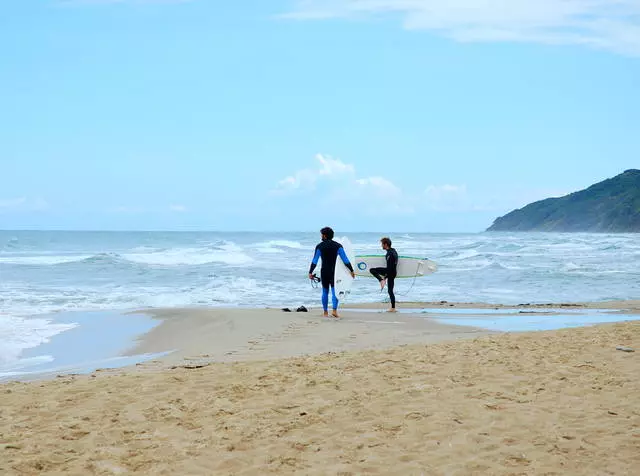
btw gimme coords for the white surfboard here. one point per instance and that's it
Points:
(408, 266)
(343, 279)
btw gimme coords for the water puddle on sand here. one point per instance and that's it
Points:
(99, 340)
(515, 320)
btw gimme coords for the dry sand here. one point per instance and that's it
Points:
(556, 402)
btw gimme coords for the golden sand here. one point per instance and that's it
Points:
(559, 402)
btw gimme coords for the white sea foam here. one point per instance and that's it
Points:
(227, 290)
(44, 260)
(231, 255)
(277, 245)
(21, 366)
(269, 250)
(463, 255)
(20, 333)
(286, 244)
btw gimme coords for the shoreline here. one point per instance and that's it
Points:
(201, 335)
(253, 328)
(235, 334)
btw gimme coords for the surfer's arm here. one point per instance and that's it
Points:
(392, 263)
(345, 260)
(314, 261)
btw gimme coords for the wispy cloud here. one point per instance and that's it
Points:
(11, 203)
(329, 170)
(447, 198)
(612, 25)
(336, 185)
(23, 204)
(338, 182)
(177, 208)
(380, 187)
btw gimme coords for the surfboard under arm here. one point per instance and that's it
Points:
(408, 266)
(343, 277)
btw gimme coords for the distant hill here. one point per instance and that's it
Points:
(612, 205)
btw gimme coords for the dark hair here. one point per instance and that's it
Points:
(328, 232)
(386, 241)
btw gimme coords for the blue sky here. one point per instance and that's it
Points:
(364, 115)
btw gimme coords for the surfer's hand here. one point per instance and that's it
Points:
(353, 274)
(310, 276)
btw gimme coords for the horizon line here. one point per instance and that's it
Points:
(96, 230)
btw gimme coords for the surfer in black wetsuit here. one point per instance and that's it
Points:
(329, 251)
(387, 275)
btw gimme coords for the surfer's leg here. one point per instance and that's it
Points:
(325, 299)
(378, 274)
(334, 298)
(390, 285)
(327, 280)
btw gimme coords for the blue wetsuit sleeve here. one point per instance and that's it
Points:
(345, 260)
(314, 261)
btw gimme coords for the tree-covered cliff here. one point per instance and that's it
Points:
(612, 205)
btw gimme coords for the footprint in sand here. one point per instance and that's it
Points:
(291, 330)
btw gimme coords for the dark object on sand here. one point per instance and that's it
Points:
(300, 309)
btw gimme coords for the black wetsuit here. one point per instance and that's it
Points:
(390, 272)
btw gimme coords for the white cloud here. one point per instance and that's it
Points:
(439, 191)
(447, 198)
(12, 203)
(380, 187)
(305, 180)
(337, 182)
(612, 25)
(334, 186)
(178, 208)
(23, 204)
(334, 166)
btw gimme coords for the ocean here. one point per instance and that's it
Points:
(46, 272)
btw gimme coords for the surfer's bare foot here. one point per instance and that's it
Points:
(393, 309)
(325, 314)
(382, 283)
(335, 314)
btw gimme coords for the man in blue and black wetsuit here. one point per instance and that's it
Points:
(387, 275)
(329, 251)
